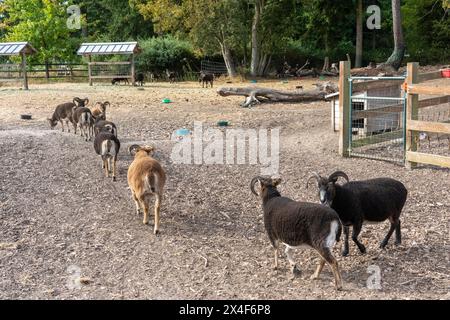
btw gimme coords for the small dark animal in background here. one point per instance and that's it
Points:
(140, 79)
(171, 76)
(357, 202)
(206, 78)
(119, 80)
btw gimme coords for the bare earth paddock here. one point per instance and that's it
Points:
(58, 214)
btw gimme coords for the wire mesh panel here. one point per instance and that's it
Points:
(217, 68)
(378, 124)
(10, 72)
(434, 143)
(110, 70)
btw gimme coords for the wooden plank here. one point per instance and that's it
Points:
(430, 76)
(344, 108)
(110, 63)
(111, 77)
(435, 160)
(375, 84)
(426, 126)
(430, 90)
(412, 111)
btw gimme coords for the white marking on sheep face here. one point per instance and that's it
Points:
(323, 196)
(331, 239)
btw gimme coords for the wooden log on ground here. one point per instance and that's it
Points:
(259, 95)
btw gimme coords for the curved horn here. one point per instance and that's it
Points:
(86, 101)
(314, 176)
(338, 174)
(76, 100)
(252, 185)
(132, 148)
(106, 103)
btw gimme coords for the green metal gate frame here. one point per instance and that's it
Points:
(401, 100)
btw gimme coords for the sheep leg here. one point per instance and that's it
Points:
(68, 126)
(275, 250)
(319, 269)
(136, 201)
(398, 234)
(346, 234)
(62, 125)
(157, 213)
(326, 254)
(295, 271)
(356, 231)
(106, 168)
(145, 205)
(114, 169)
(390, 232)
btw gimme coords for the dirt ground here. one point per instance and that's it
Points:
(62, 222)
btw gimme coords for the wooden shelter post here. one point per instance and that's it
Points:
(133, 70)
(90, 70)
(24, 71)
(412, 111)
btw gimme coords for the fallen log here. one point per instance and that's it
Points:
(259, 95)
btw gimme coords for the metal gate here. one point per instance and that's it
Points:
(378, 122)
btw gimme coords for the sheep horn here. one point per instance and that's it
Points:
(76, 100)
(338, 174)
(132, 148)
(107, 103)
(314, 176)
(86, 101)
(252, 185)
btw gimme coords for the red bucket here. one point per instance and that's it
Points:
(446, 73)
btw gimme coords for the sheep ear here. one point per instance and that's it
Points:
(276, 182)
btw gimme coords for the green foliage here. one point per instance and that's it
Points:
(164, 53)
(43, 24)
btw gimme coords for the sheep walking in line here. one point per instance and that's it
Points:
(297, 224)
(107, 146)
(146, 178)
(357, 202)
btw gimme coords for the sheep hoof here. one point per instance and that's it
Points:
(295, 271)
(345, 253)
(314, 277)
(339, 288)
(156, 232)
(145, 222)
(114, 179)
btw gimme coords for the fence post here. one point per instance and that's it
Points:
(133, 71)
(412, 111)
(344, 108)
(24, 71)
(90, 70)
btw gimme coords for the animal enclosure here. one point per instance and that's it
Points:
(12, 72)
(376, 126)
(212, 243)
(111, 70)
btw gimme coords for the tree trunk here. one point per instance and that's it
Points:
(395, 60)
(359, 34)
(254, 95)
(254, 66)
(228, 58)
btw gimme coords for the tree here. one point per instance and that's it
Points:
(359, 33)
(395, 60)
(212, 26)
(271, 29)
(42, 23)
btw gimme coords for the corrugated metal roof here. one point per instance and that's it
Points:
(109, 48)
(15, 48)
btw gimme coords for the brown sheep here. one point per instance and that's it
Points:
(146, 178)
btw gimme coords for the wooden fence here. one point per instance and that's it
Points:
(416, 86)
